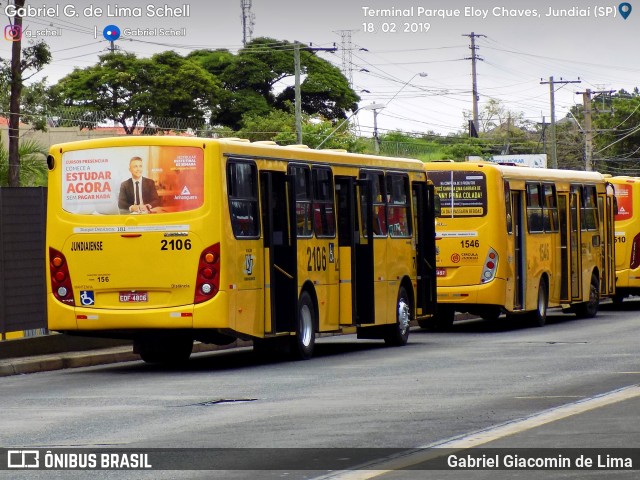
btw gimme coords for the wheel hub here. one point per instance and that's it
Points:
(404, 315)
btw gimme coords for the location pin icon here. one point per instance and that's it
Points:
(624, 9)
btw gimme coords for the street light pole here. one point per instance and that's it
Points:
(375, 107)
(421, 74)
(372, 106)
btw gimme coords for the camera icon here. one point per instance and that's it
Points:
(13, 33)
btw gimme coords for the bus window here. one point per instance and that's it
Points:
(324, 220)
(242, 185)
(398, 205)
(379, 203)
(534, 208)
(550, 207)
(303, 199)
(507, 205)
(589, 208)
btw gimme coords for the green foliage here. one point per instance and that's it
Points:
(276, 124)
(280, 127)
(34, 98)
(616, 144)
(124, 89)
(212, 86)
(252, 82)
(33, 164)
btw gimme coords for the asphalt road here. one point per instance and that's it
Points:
(352, 396)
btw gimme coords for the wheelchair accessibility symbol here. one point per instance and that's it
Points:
(86, 297)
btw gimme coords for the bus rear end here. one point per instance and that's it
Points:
(627, 236)
(471, 240)
(127, 254)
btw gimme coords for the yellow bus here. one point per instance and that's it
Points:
(517, 240)
(167, 240)
(627, 236)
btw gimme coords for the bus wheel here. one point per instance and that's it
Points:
(539, 316)
(398, 334)
(163, 349)
(303, 341)
(590, 309)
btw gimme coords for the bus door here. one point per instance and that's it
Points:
(280, 251)
(607, 228)
(355, 240)
(575, 244)
(519, 249)
(609, 217)
(425, 232)
(565, 266)
(347, 232)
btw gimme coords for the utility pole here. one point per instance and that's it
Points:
(588, 131)
(298, 94)
(474, 91)
(554, 143)
(588, 128)
(14, 101)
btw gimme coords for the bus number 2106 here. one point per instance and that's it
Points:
(316, 259)
(176, 244)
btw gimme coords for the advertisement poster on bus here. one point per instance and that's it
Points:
(625, 202)
(132, 180)
(462, 194)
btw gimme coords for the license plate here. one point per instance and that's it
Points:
(441, 272)
(133, 297)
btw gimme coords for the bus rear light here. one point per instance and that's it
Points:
(208, 279)
(490, 266)
(60, 279)
(635, 253)
(207, 273)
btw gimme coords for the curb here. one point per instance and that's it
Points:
(44, 363)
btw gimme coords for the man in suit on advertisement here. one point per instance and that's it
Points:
(138, 194)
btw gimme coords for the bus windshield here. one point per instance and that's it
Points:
(132, 180)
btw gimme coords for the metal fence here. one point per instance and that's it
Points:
(22, 259)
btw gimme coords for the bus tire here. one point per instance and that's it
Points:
(164, 350)
(590, 309)
(397, 335)
(538, 317)
(303, 342)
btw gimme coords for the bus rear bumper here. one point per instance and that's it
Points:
(492, 293)
(211, 314)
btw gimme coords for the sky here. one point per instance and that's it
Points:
(384, 46)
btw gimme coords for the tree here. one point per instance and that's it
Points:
(253, 82)
(32, 58)
(125, 89)
(116, 88)
(616, 143)
(33, 162)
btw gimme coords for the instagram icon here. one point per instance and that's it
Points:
(13, 33)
